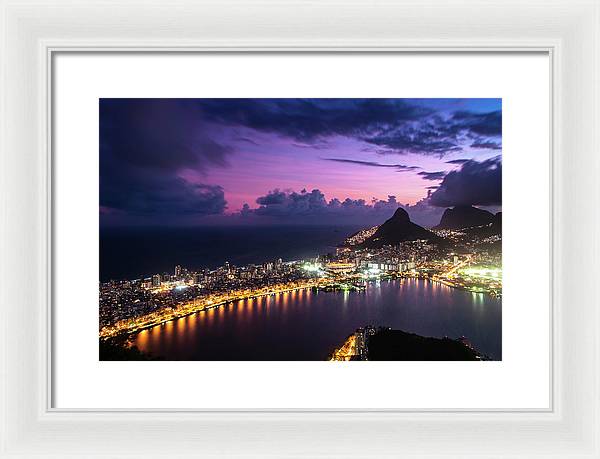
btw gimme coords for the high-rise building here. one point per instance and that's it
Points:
(156, 280)
(177, 271)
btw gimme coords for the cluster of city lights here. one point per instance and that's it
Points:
(483, 272)
(313, 268)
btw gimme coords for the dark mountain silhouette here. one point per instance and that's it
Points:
(398, 229)
(464, 217)
(497, 223)
(491, 229)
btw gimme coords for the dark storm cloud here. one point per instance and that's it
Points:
(400, 167)
(311, 207)
(458, 161)
(144, 144)
(439, 135)
(379, 151)
(392, 125)
(308, 119)
(486, 145)
(479, 123)
(418, 138)
(432, 175)
(475, 183)
(158, 195)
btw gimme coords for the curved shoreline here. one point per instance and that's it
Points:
(206, 307)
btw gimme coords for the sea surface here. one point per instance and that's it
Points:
(132, 253)
(307, 325)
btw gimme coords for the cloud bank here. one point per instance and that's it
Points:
(311, 207)
(475, 183)
(145, 144)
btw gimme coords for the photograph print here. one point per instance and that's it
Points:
(300, 229)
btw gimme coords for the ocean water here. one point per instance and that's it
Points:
(131, 253)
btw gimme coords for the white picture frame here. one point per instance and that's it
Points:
(33, 31)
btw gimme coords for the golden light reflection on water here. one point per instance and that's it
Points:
(189, 332)
(285, 300)
(142, 339)
(210, 317)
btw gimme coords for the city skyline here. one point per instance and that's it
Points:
(203, 162)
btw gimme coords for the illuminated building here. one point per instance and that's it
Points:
(340, 267)
(147, 283)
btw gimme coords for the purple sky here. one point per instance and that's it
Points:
(244, 161)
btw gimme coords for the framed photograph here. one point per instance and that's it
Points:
(298, 229)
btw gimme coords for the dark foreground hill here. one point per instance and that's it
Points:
(398, 229)
(398, 345)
